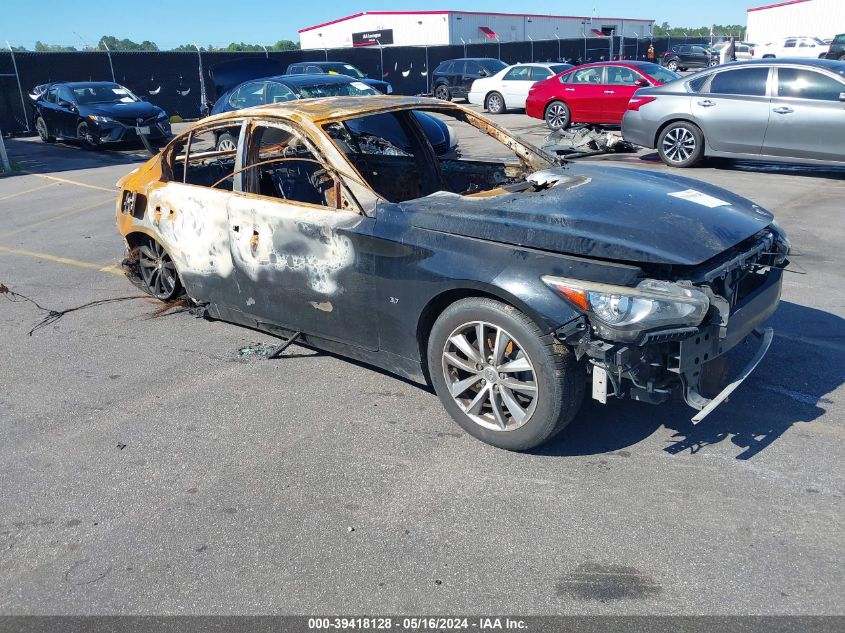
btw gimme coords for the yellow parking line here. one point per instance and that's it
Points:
(63, 260)
(67, 181)
(61, 216)
(23, 193)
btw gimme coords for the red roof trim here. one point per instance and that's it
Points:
(778, 4)
(510, 15)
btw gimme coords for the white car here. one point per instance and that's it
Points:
(509, 87)
(744, 50)
(808, 47)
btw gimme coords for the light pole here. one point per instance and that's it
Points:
(637, 37)
(266, 54)
(108, 52)
(558, 45)
(465, 46)
(499, 47)
(381, 59)
(20, 90)
(202, 80)
(531, 39)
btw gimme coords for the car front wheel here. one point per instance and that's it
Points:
(227, 143)
(86, 136)
(158, 272)
(672, 65)
(499, 377)
(558, 115)
(680, 144)
(442, 92)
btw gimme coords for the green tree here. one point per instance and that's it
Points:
(41, 47)
(115, 44)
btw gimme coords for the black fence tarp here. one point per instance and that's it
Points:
(171, 80)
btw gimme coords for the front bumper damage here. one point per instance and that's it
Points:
(117, 131)
(682, 362)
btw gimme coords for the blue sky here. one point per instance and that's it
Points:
(219, 22)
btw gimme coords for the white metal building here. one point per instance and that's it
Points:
(433, 28)
(813, 18)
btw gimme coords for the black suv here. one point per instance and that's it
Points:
(683, 56)
(837, 48)
(454, 77)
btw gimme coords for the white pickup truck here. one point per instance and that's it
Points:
(809, 47)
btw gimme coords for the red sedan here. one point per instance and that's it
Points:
(592, 93)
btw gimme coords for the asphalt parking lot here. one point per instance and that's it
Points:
(153, 463)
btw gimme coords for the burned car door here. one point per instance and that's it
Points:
(188, 213)
(298, 243)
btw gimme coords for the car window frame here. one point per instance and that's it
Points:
(767, 93)
(637, 75)
(244, 147)
(540, 69)
(55, 91)
(602, 79)
(168, 155)
(515, 68)
(243, 87)
(776, 84)
(296, 69)
(474, 65)
(61, 101)
(267, 86)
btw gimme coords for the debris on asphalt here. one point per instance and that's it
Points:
(256, 350)
(350, 529)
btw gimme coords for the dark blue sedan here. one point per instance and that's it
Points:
(281, 88)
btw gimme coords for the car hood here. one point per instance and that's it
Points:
(138, 109)
(611, 213)
(378, 84)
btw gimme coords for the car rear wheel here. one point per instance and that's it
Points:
(442, 92)
(158, 272)
(495, 103)
(499, 377)
(558, 115)
(43, 132)
(680, 144)
(714, 62)
(227, 143)
(86, 136)
(672, 65)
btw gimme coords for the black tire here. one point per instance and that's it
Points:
(441, 91)
(558, 116)
(43, 130)
(158, 272)
(842, 58)
(558, 379)
(226, 142)
(680, 144)
(85, 137)
(672, 65)
(495, 103)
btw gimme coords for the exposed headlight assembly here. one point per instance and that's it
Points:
(622, 313)
(100, 119)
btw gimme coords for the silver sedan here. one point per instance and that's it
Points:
(782, 110)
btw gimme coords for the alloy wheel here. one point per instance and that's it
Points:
(678, 144)
(673, 66)
(158, 270)
(41, 127)
(441, 92)
(226, 145)
(489, 376)
(494, 103)
(557, 116)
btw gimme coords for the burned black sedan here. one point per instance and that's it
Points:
(506, 279)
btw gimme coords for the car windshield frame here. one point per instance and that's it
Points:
(342, 68)
(124, 93)
(320, 89)
(652, 70)
(490, 65)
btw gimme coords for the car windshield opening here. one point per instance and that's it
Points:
(332, 89)
(658, 73)
(107, 93)
(409, 154)
(344, 69)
